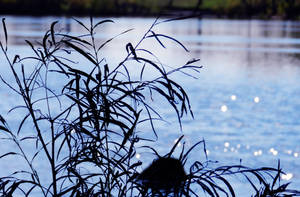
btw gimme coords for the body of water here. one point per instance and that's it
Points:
(246, 102)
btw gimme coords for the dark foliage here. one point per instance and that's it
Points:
(87, 128)
(165, 174)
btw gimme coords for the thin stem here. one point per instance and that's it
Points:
(26, 97)
(53, 159)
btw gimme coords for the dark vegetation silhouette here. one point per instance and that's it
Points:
(163, 175)
(86, 126)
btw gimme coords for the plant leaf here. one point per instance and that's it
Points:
(82, 52)
(4, 128)
(9, 153)
(103, 21)
(5, 32)
(52, 31)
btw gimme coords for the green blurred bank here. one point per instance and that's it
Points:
(286, 9)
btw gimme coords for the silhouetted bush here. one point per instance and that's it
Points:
(87, 116)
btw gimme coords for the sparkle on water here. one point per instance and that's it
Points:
(138, 156)
(179, 143)
(257, 153)
(226, 144)
(287, 176)
(233, 97)
(224, 108)
(273, 151)
(256, 99)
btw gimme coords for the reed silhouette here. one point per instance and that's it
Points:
(163, 176)
(90, 140)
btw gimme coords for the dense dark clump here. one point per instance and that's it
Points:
(163, 174)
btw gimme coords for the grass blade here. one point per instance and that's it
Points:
(104, 21)
(82, 52)
(52, 31)
(170, 38)
(5, 33)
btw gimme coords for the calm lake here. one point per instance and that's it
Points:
(246, 100)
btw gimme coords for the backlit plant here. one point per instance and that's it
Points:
(87, 115)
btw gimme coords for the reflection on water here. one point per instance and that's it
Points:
(246, 102)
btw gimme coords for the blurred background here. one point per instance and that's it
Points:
(287, 9)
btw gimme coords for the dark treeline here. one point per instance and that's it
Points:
(286, 9)
(95, 7)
